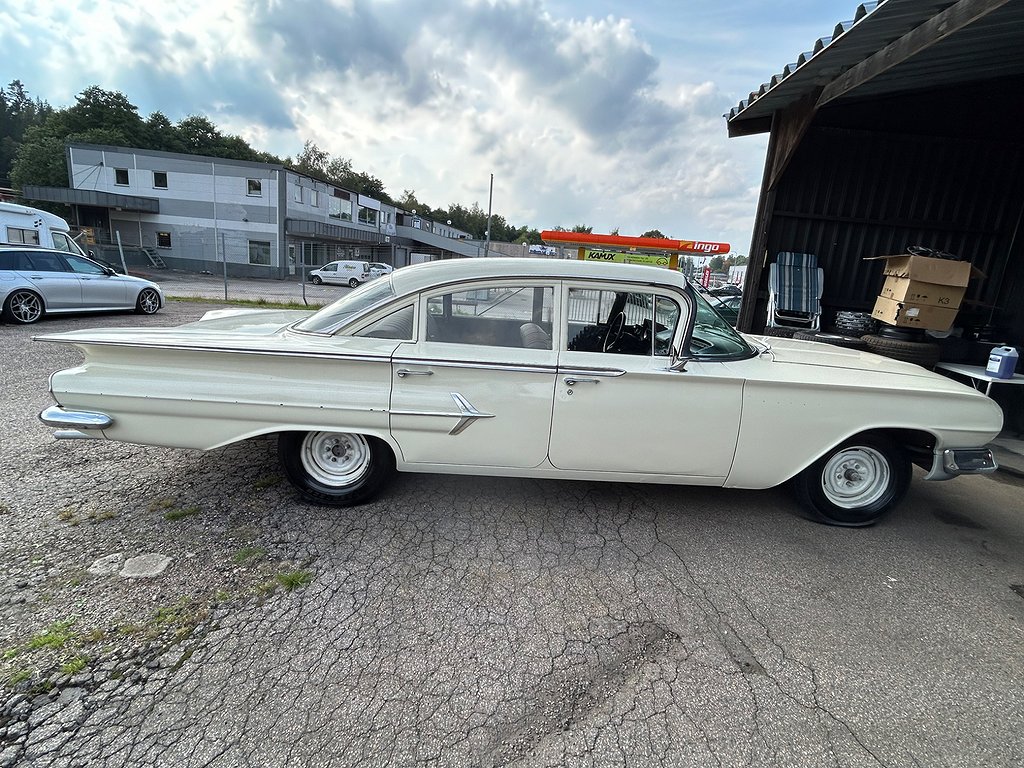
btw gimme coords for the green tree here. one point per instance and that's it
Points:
(655, 233)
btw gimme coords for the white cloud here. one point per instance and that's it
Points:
(569, 114)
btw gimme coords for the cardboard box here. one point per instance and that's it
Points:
(925, 269)
(907, 315)
(908, 291)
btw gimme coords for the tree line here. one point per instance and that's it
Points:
(33, 136)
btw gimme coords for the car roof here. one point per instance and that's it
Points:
(422, 276)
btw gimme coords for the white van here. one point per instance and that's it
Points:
(350, 273)
(21, 225)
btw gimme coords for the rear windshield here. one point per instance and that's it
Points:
(366, 296)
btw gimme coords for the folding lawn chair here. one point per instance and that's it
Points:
(795, 282)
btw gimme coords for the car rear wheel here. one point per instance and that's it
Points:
(23, 306)
(148, 302)
(855, 484)
(339, 469)
(317, 280)
(353, 283)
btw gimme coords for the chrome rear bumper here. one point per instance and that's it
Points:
(948, 463)
(70, 423)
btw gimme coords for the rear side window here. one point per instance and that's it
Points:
(47, 262)
(14, 260)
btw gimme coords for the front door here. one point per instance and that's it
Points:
(99, 289)
(476, 387)
(618, 407)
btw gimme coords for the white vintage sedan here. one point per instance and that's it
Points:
(530, 368)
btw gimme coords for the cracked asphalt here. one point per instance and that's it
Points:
(463, 621)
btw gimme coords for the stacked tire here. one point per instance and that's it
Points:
(836, 339)
(855, 323)
(924, 353)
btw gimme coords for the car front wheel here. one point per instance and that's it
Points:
(339, 469)
(855, 484)
(317, 280)
(148, 302)
(23, 306)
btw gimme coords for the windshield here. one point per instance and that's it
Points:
(713, 336)
(362, 298)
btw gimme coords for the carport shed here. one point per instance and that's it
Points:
(901, 128)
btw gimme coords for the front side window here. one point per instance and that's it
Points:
(62, 243)
(259, 253)
(620, 322)
(254, 187)
(160, 179)
(121, 176)
(499, 316)
(713, 337)
(84, 266)
(22, 236)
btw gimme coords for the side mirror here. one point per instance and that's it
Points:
(109, 271)
(678, 362)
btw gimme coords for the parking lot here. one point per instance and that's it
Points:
(474, 621)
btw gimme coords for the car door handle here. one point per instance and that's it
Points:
(572, 381)
(403, 372)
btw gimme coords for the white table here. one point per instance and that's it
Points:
(978, 374)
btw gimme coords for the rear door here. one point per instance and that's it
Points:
(56, 282)
(475, 387)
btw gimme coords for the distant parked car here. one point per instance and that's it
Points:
(39, 281)
(350, 273)
(377, 269)
(543, 368)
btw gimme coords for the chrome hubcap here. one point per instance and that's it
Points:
(856, 477)
(336, 459)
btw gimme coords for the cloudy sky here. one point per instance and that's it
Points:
(602, 113)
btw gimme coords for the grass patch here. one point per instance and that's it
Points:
(19, 677)
(254, 303)
(292, 580)
(180, 514)
(57, 635)
(74, 666)
(248, 554)
(161, 504)
(4, 509)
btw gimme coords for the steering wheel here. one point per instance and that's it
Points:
(614, 332)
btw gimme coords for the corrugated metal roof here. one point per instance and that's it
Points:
(990, 47)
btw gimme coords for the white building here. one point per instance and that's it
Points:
(202, 213)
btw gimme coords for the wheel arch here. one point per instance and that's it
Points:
(917, 443)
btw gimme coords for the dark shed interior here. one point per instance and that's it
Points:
(902, 128)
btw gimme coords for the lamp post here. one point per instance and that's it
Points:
(490, 198)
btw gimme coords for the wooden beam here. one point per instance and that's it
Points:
(937, 28)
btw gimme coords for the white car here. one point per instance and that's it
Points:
(379, 270)
(530, 368)
(350, 273)
(41, 281)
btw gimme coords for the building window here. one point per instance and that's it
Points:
(259, 252)
(254, 187)
(297, 193)
(159, 179)
(121, 176)
(163, 239)
(368, 216)
(314, 198)
(22, 236)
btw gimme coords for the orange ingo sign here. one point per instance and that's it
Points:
(650, 244)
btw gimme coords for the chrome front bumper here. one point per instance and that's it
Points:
(69, 424)
(948, 463)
